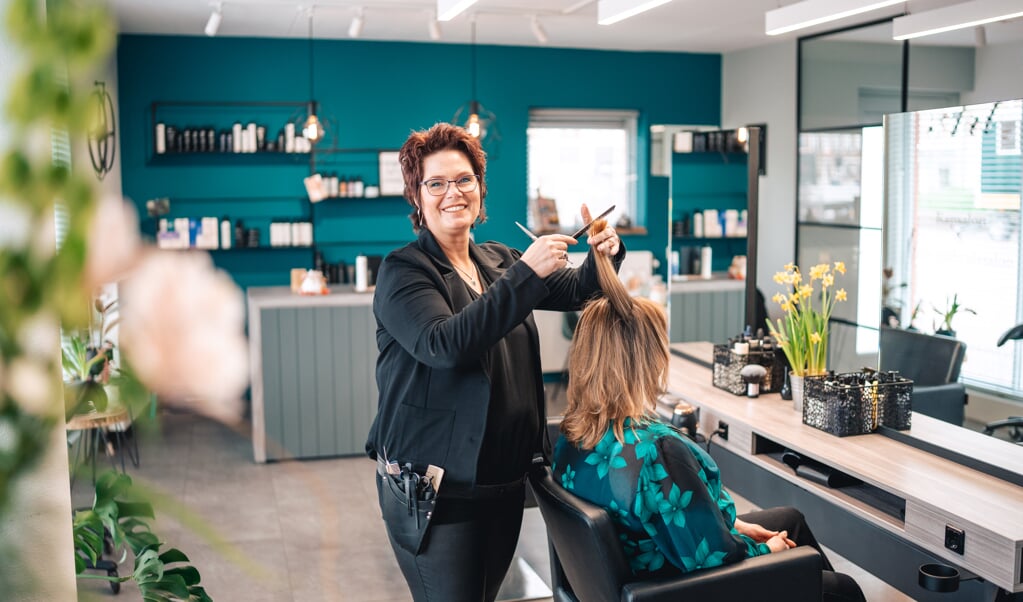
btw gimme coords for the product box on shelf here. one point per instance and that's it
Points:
(730, 359)
(856, 403)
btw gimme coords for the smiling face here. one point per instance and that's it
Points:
(454, 212)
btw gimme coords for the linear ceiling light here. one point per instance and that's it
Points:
(814, 12)
(957, 16)
(613, 11)
(538, 30)
(449, 9)
(214, 22)
(356, 27)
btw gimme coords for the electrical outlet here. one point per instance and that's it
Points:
(723, 428)
(955, 539)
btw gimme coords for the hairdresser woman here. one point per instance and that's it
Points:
(459, 365)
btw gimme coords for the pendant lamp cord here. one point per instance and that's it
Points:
(473, 56)
(310, 53)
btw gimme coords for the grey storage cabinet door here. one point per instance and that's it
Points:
(712, 316)
(319, 386)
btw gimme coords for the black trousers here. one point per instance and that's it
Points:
(467, 549)
(837, 587)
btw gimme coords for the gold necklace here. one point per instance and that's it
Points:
(472, 281)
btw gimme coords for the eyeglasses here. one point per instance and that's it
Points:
(439, 186)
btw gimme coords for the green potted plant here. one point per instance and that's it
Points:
(948, 313)
(88, 358)
(119, 519)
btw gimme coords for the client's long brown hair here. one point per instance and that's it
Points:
(618, 362)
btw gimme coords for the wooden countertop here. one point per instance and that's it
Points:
(937, 491)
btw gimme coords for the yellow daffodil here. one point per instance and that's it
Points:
(803, 332)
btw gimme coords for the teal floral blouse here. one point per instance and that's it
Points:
(664, 494)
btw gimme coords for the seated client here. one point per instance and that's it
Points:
(662, 490)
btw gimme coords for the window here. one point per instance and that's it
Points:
(580, 156)
(953, 230)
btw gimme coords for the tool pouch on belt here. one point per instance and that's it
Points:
(406, 500)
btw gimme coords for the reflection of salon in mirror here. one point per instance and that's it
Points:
(909, 165)
(712, 186)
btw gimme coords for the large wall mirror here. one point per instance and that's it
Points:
(704, 173)
(952, 234)
(949, 215)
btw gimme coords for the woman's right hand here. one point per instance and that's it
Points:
(548, 253)
(780, 542)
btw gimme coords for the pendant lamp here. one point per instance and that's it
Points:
(313, 128)
(473, 116)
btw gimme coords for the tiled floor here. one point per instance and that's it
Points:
(298, 531)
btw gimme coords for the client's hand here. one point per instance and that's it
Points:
(780, 542)
(754, 531)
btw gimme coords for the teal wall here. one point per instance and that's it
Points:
(377, 93)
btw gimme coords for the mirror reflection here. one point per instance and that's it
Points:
(704, 171)
(952, 238)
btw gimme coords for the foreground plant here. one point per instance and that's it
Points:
(46, 284)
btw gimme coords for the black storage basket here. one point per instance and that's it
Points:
(856, 403)
(728, 365)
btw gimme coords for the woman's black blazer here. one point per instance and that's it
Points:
(434, 387)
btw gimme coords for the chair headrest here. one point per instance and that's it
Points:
(923, 358)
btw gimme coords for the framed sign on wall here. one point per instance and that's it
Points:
(391, 182)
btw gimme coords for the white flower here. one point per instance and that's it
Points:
(9, 436)
(182, 330)
(40, 336)
(31, 386)
(15, 225)
(113, 243)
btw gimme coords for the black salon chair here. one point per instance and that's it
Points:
(933, 363)
(588, 564)
(1013, 423)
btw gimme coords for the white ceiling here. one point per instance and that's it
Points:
(715, 26)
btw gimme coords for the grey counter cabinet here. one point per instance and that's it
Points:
(313, 363)
(707, 310)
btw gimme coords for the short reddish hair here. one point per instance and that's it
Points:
(421, 144)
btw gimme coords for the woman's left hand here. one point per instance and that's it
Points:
(606, 241)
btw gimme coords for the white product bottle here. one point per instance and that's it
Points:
(361, 273)
(225, 233)
(705, 262)
(161, 138)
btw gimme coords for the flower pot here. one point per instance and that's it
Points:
(796, 383)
